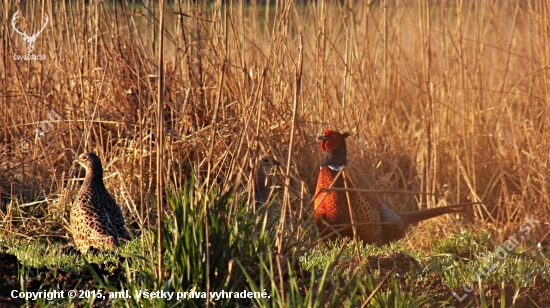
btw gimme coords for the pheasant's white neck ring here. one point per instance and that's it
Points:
(336, 168)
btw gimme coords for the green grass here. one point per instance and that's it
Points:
(213, 242)
(467, 257)
(38, 254)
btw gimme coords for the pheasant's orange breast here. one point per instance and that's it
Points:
(332, 209)
(330, 206)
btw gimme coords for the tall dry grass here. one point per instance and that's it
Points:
(447, 98)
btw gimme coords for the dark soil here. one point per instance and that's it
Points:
(538, 292)
(50, 279)
(55, 279)
(437, 292)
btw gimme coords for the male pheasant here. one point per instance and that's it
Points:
(96, 219)
(336, 212)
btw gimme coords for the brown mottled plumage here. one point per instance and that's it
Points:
(336, 212)
(262, 189)
(96, 219)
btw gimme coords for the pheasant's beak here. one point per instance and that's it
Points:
(322, 137)
(276, 163)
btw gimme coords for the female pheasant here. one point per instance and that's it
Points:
(262, 189)
(338, 213)
(96, 219)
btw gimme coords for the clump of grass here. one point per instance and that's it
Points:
(464, 242)
(208, 233)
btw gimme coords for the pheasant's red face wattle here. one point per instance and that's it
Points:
(330, 144)
(331, 140)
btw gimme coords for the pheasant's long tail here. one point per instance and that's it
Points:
(420, 215)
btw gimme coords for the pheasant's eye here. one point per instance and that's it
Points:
(265, 160)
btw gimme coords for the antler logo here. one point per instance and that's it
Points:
(29, 40)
